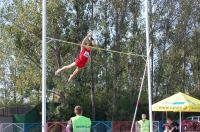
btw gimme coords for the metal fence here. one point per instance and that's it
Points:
(102, 126)
(97, 126)
(12, 127)
(156, 126)
(32, 127)
(56, 126)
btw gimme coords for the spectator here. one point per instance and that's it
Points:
(79, 123)
(167, 128)
(144, 124)
(172, 125)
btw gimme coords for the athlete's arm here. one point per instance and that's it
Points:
(84, 40)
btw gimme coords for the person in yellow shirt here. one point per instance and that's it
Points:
(144, 125)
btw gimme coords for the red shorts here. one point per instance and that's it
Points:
(80, 63)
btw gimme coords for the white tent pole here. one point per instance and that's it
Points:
(180, 122)
(44, 66)
(148, 66)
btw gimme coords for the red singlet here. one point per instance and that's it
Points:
(83, 57)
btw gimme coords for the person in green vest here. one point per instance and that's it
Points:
(144, 124)
(79, 123)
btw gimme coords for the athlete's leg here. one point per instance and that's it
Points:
(65, 68)
(73, 74)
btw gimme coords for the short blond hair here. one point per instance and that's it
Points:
(78, 110)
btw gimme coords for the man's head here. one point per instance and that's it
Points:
(78, 110)
(144, 116)
(169, 120)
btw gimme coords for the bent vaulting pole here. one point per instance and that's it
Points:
(44, 66)
(148, 66)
